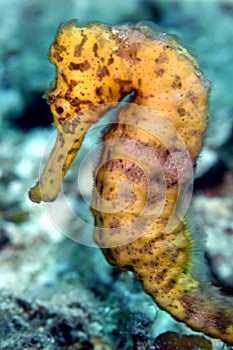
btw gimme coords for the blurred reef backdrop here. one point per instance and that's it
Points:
(57, 294)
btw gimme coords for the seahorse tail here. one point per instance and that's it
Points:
(175, 288)
(165, 268)
(205, 307)
(201, 307)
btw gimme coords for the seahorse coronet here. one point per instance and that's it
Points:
(96, 67)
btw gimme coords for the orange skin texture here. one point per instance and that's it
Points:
(96, 67)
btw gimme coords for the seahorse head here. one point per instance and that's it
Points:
(82, 57)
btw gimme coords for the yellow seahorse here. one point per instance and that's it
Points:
(97, 66)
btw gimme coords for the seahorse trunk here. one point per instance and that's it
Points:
(137, 236)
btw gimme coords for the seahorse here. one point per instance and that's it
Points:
(96, 67)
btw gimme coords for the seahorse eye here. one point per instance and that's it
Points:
(59, 110)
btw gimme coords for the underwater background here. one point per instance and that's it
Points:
(58, 294)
